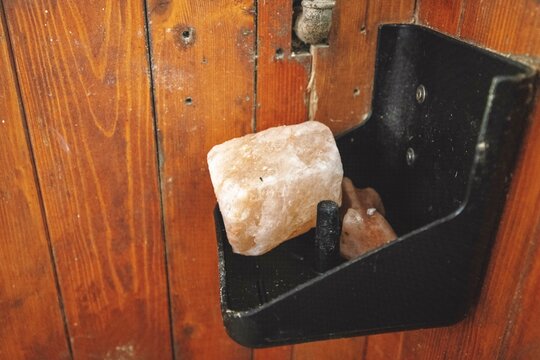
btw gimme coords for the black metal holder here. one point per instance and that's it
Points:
(439, 147)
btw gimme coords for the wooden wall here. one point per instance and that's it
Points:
(107, 247)
(505, 323)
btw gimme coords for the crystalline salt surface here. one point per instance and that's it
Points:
(268, 184)
(364, 227)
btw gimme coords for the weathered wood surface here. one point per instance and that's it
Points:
(504, 324)
(87, 89)
(203, 63)
(340, 96)
(340, 349)
(31, 324)
(281, 93)
(384, 346)
(342, 77)
(83, 71)
(522, 333)
(282, 78)
(508, 27)
(444, 15)
(273, 353)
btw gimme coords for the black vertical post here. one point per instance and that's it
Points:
(327, 235)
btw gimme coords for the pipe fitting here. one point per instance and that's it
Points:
(313, 24)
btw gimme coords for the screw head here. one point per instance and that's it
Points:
(410, 156)
(280, 54)
(420, 94)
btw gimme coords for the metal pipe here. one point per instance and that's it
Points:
(313, 24)
(327, 234)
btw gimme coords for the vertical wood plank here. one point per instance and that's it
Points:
(340, 96)
(340, 91)
(481, 335)
(492, 330)
(507, 27)
(522, 334)
(281, 94)
(384, 346)
(274, 353)
(84, 81)
(443, 15)
(31, 325)
(282, 77)
(340, 349)
(342, 74)
(203, 68)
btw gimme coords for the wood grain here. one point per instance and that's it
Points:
(340, 96)
(86, 88)
(203, 59)
(84, 80)
(481, 335)
(507, 27)
(384, 346)
(282, 77)
(522, 334)
(31, 325)
(273, 353)
(443, 15)
(281, 94)
(342, 75)
(502, 325)
(341, 349)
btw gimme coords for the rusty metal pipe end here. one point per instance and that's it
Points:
(319, 4)
(313, 25)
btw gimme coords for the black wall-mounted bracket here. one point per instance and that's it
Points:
(446, 127)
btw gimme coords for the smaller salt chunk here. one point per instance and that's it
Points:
(361, 233)
(268, 184)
